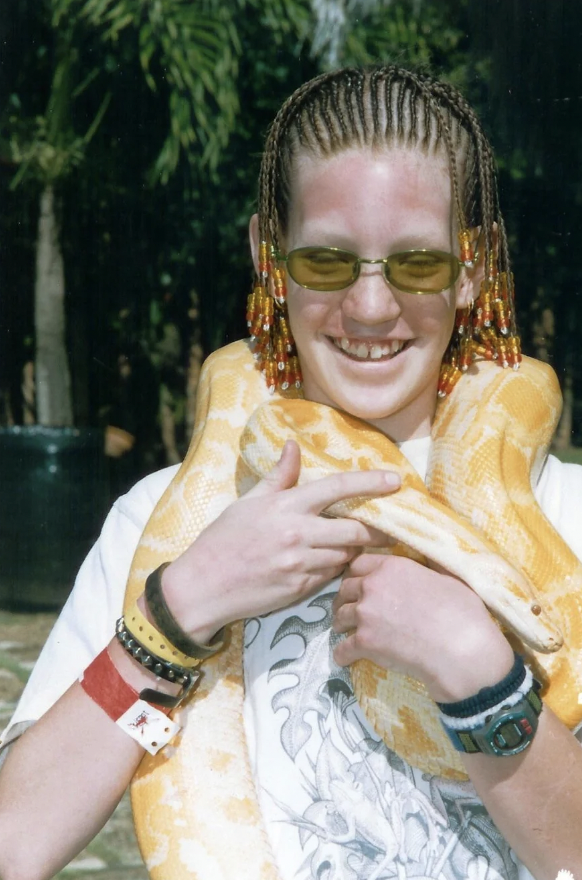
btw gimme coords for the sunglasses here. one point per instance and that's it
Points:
(328, 268)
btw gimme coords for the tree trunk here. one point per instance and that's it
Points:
(168, 426)
(53, 380)
(196, 356)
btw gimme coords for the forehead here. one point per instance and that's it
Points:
(388, 192)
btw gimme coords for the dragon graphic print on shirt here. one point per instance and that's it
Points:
(340, 805)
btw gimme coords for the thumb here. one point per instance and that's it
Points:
(285, 473)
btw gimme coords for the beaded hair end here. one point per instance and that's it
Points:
(483, 331)
(267, 320)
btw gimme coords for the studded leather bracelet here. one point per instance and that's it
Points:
(186, 678)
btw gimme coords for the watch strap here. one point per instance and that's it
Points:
(507, 731)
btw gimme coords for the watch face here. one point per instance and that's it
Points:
(511, 733)
(508, 731)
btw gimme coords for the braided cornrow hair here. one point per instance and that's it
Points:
(370, 108)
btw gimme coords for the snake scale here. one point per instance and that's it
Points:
(195, 805)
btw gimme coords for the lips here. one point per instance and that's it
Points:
(369, 350)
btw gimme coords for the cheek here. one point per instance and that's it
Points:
(435, 315)
(307, 315)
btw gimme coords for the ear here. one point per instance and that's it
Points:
(469, 284)
(254, 240)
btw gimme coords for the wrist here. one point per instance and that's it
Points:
(193, 617)
(143, 715)
(472, 666)
(500, 720)
(136, 675)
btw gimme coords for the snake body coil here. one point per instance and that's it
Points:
(195, 804)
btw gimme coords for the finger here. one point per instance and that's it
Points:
(365, 563)
(345, 618)
(332, 532)
(321, 493)
(347, 651)
(284, 475)
(321, 576)
(326, 557)
(349, 591)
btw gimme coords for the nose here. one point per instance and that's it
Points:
(370, 299)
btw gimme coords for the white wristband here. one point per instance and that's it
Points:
(148, 726)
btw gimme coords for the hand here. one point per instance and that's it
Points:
(271, 547)
(423, 623)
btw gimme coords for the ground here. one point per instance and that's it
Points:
(113, 855)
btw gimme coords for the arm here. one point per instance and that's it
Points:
(535, 798)
(63, 778)
(67, 773)
(431, 626)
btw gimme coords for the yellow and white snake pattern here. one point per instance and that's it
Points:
(195, 806)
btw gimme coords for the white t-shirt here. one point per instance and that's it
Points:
(335, 800)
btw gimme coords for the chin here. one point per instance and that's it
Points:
(368, 413)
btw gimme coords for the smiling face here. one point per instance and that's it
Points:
(371, 349)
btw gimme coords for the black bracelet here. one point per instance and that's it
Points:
(169, 627)
(488, 697)
(188, 679)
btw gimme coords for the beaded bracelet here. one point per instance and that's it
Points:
(187, 678)
(169, 627)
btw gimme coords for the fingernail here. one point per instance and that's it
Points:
(392, 480)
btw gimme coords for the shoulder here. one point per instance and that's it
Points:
(138, 504)
(559, 494)
(87, 622)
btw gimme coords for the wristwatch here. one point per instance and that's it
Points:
(507, 731)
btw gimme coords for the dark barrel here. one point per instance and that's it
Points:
(54, 496)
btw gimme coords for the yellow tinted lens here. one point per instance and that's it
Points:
(321, 268)
(424, 271)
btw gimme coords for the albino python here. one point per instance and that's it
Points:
(195, 806)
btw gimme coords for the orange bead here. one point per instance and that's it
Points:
(466, 355)
(466, 247)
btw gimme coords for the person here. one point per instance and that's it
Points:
(376, 185)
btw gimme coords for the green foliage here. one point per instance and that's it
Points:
(419, 34)
(187, 50)
(46, 147)
(189, 88)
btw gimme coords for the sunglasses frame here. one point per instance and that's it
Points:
(454, 261)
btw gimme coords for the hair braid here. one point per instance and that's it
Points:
(370, 108)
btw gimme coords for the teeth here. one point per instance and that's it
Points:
(365, 350)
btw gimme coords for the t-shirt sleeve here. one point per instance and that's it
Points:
(87, 622)
(559, 493)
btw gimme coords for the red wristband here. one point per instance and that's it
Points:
(103, 682)
(147, 724)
